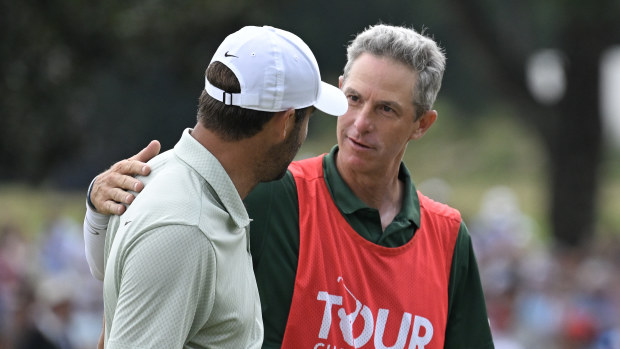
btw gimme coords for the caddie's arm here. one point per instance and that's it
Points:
(107, 195)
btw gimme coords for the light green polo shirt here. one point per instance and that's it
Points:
(178, 270)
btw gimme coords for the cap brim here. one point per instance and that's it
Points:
(331, 100)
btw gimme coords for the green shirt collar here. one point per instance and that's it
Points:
(350, 205)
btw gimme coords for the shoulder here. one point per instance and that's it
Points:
(441, 220)
(173, 194)
(307, 168)
(438, 209)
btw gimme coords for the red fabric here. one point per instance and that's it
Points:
(351, 293)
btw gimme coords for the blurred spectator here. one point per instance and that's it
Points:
(609, 339)
(540, 298)
(61, 254)
(49, 326)
(14, 264)
(61, 248)
(39, 307)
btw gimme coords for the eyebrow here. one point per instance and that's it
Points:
(350, 90)
(392, 104)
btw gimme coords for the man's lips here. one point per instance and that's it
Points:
(358, 143)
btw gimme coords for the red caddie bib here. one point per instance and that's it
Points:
(352, 293)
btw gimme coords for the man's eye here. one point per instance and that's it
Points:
(353, 98)
(387, 108)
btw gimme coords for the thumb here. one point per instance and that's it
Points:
(148, 152)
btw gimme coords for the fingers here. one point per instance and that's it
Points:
(148, 152)
(130, 167)
(110, 189)
(112, 207)
(109, 192)
(136, 165)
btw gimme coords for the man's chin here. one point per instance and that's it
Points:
(355, 161)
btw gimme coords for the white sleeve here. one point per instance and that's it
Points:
(95, 226)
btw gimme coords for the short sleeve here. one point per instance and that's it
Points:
(166, 289)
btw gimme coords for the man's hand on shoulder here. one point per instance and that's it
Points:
(109, 190)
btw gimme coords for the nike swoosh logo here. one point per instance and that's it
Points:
(229, 55)
(127, 222)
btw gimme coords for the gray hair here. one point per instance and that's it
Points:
(407, 46)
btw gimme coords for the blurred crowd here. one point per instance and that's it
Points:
(537, 297)
(48, 298)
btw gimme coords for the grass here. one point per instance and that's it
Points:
(31, 209)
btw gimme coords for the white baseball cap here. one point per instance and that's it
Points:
(276, 71)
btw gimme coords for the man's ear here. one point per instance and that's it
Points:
(283, 123)
(340, 80)
(423, 124)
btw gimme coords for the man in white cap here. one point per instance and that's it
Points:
(178, 270)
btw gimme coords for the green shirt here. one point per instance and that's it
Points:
(178, 267)
(275, 249)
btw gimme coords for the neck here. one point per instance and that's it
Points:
(382, 191)
(233, 156)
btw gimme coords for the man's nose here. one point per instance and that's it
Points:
(363, 119)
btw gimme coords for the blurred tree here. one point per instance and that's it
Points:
(81, 80)
(36, 125)
(505, 35)
(74, 69)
